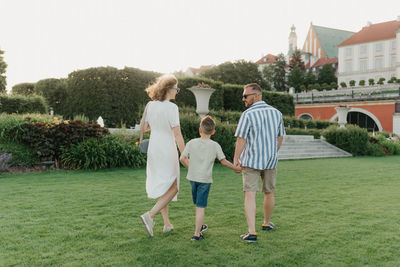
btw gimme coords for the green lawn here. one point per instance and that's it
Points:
(331, 212)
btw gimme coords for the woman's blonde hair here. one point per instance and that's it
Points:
(159, 89)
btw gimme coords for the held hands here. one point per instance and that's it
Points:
(237, 166)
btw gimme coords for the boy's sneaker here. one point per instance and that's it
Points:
(197, 238)
(148, 223)
(249, 237)
(203, 228)
(268, 226)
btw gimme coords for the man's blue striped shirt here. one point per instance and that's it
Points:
(260, 125)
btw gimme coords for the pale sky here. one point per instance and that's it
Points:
(51, 38)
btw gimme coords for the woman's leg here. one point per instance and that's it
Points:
(164, 213)
(163, 201)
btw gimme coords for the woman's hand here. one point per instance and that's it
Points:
(178, 138)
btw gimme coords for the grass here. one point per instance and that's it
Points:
(330, 212)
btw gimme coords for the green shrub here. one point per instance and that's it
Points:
(297, 131)
(361, 83)
(381, 80)
(47, 140)
(21, 154)
(352, 83)
(22, 104)
(392, 79)
(373, 149)
(293, 122)
(11, 125)
(371, 81)
(81, 117)
(108, 152)
(317, 87)
(333, 85)
(281, 101)
(343, 85)
(353, 139)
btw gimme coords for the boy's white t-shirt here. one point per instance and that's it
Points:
(202, 154)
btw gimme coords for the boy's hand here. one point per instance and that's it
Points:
(237, 169)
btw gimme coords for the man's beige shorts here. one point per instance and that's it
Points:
(251, 176)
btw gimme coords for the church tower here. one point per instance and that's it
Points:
(292, 41)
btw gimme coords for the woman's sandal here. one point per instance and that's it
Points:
(197, 238)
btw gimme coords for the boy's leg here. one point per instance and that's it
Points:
(203, 189)
(199, 220)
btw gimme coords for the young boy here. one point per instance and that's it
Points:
(199, 156)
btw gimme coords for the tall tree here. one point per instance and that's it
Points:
(310, 78)
(279, 77)
(296, 61)
(239, 72)
(296, 78)
(268, 76)
(327, 74)
(3, 67)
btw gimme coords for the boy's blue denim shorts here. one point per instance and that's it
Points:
(200, 193)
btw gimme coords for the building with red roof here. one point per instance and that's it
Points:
(371, 53)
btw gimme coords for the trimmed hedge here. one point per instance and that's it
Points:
(22, 104)
(293, 122)
(55, 93)
(353, 139)
(297, 131)
(115, 95)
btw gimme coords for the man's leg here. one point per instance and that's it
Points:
(269, 203)
(250, 210)
(199, 220)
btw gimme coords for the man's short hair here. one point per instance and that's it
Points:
(207, 125)
(254, 87)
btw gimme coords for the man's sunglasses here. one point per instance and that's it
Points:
(245, 96)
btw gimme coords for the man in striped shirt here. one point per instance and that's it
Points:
(259, 136)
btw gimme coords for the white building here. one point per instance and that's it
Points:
(372, 52)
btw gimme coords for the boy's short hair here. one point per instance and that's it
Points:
(207, 125)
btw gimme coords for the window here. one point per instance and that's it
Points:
(348, 52)
(394, 44)
(363, 65)
(378, 48)
(393, 63)
(363, 50)
(347, 66)
(378, 63)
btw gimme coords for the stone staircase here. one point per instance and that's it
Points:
(306, 147)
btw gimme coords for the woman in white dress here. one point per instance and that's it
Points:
(162, 171)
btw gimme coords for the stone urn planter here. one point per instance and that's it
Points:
(342, 115)
(202, 95)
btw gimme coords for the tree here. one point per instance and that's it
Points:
(268, 76)
(309, 78)
(327, 74)
(239, 72)
(296, 61)
(296, 78)
(23, 89)
(279, 77)
(3, 67)
(55, 93)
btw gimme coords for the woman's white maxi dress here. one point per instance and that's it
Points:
(162, 156)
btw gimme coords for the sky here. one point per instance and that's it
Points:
(52, 38)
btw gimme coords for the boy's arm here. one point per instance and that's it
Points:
(184, 161)
(229, 164)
